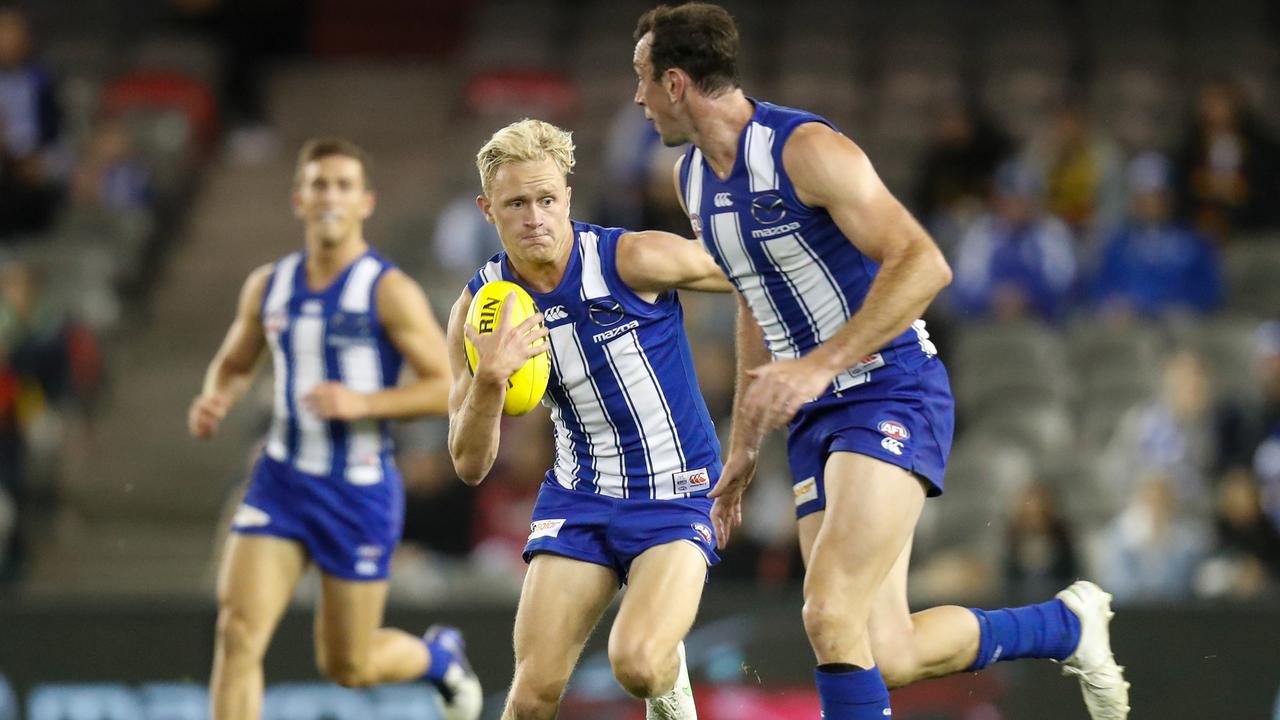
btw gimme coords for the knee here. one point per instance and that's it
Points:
(238, 637)
(832, 624)
(639, 668)
(535, 694)
(345, 671)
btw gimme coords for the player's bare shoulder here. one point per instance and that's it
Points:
(254, 290)
(824, 165)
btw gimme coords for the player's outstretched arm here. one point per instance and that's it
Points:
(405, 313)
(475, 400)
(231, 372)
(745, 435)
(653, 261)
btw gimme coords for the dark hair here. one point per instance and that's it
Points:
(699, 38)
(319, 148)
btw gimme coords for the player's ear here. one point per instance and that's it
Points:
(568, 196)
(676, 83)
(295, 202)
(486, 207)
(370, 202)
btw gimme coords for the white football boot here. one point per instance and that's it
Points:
(1106, 693)
(460, 695)
(676, 704)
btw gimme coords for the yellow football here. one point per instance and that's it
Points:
(527, 385)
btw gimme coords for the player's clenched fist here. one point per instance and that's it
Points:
(206, 414)
(335, 401)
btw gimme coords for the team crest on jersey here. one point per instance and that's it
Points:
(696, 222)
(703, 531)
(894, 429)
(768, 208)
(276, 321)
(605, 312)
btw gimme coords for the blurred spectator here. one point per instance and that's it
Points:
(1150, 551)
(1247, 558)
(111, 176)
(955, 174)
(1228, 176)
(1249, 439)
(1082, 168)
(629, 147)
(12, 457)
(1017, 261)
(1153, 266)
(1174, 434)
(660, 206)
(46, 346)
(1040, 555)
(463, 240)
(251, 33)
(30, 128)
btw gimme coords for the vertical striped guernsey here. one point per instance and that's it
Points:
(328, 335)
(629, 419)
(797, 271)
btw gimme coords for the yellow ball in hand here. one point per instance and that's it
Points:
(527, 385)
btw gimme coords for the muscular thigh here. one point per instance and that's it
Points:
(871, 511)
(257, 578)
(560, 604)
(347, 616)
(663, 593)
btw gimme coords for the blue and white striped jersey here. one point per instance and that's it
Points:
(630, 421)
(333, 334)
(799, 274)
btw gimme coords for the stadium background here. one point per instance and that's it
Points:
(1118, 422)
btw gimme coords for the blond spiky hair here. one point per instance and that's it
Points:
(521, 141)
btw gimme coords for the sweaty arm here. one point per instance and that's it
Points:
(233, 367)
(829, 171)
(652, 262)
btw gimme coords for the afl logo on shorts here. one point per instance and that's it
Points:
(703, 531)
(893, 429)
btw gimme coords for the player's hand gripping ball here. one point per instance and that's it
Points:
(526, 386)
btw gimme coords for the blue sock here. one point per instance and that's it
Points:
(441, 659)
(1047, 630)
(852, 695)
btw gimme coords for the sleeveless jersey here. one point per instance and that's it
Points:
(314, 337)
(630, 421)
(799, 274)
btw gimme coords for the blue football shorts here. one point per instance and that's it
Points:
(349, 530)
(903, 416)
(613, 532)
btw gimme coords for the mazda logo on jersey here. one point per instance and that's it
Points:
(605, 312)
(768, 208)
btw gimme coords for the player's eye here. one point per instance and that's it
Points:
(548, 201)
